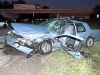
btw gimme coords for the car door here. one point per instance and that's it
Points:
(67, 29)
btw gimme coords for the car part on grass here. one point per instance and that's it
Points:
(85, 54)
(71, 48)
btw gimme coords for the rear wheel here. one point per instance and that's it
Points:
(45, 47)
(89, 42)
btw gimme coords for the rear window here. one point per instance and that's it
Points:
(80, 27)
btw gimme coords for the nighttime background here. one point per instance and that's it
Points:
(53, 4)
(63, 4)
(58, 63)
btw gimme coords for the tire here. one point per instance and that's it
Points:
(89, 42)
(4, 26)
(45, 47)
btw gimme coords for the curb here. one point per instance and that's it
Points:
(1, 37)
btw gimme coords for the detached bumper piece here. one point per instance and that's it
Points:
(14, 43)
(78, 53)
(75, 51)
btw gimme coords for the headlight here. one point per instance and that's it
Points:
(23, 41)
(10, 34)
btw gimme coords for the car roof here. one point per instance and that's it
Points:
(76, 21)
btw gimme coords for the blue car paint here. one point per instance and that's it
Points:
(25, 30)
(28, 28)
(41, 32)
(88, 32)
(77, 55)
(14, 43)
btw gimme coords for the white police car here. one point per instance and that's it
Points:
(3, 24)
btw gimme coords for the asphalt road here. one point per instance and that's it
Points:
(3, 31)
(13, 62)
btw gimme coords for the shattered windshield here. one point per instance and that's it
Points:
(52, 25)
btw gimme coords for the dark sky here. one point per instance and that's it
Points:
(64, 4)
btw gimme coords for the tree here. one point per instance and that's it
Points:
(6, 4)
(96, 9)
(17, 2)
(45, 7)
(0, 4)
(20, 2)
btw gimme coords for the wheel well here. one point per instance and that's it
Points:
(40, 47)
(92, 36)
(47, 39)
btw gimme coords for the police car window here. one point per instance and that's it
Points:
(80, 27)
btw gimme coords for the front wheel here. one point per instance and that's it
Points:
(89, 42)
(45, 47)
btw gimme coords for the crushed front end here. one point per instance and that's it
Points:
(17, 41)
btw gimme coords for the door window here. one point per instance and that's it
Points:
(80, 27)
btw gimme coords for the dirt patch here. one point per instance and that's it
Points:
(24, 66)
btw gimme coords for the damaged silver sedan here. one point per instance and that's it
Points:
(52, 35)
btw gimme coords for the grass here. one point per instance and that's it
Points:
(61, 63)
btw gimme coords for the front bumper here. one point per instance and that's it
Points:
(14, 43)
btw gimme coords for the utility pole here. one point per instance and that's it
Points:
(33, 17)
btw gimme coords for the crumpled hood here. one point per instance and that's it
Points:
(29, 29)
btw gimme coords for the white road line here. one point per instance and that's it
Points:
(2, 37)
